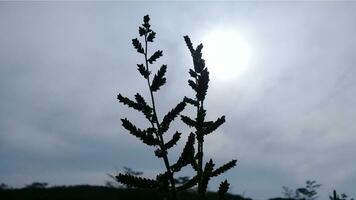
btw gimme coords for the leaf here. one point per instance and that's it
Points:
(155, 56)
(189, 184)
(145, 108)
(159, 153)
(199, 63)
(170, 116)
(159, 79)
(201, 116)
(214, 125)
(187, 155)
(199, 124)
(138, 46)
(140, 100)
(206, 177)
(224, 168)
(192, 85)
(202, 87)
(303, 191)
(141, 31)
(223, 188)
(142, 135)
(151, 36)
(139, 106)
(137, 182)
(198, 53)
(173, 141)
(146, 20)
(189, 44)
(143, 71)
(190, 101)
(198, 50)
(193, 73)
(151, 130)
(129, 103)
(188, 121)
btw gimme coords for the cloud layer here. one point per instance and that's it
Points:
(289, 116)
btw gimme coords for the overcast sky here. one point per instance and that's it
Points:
(290, 114)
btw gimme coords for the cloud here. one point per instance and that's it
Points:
(289, 116)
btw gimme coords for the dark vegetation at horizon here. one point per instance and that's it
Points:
(41, 191)
(88, 192)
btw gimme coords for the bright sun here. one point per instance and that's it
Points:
(226, 54)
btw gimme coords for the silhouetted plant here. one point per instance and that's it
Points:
(200, 83)
(130, 172)
(287, 192)
(153, 135)
(4, 186)
(37, 185)
(223, 188)
(309, 192)
(336, 196)
(127, 171)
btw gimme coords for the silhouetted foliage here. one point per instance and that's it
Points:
(199, 82)
(336, 196)
(3, 186)
(153, 135)
(281, 198)
(38, 185)
(87, 192)
(287, 192)
(308, 192)
(223, 188)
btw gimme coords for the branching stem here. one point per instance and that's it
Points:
(200, 143)
(158, 133)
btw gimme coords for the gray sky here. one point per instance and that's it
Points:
(290, 114)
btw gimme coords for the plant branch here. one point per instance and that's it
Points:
(158, 133)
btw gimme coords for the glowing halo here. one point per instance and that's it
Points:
(226, 54)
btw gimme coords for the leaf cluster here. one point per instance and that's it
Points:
(308, 192)
(336, 196)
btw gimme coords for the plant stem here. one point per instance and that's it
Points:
(201, 150)
(200, 143)
(158, 133)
